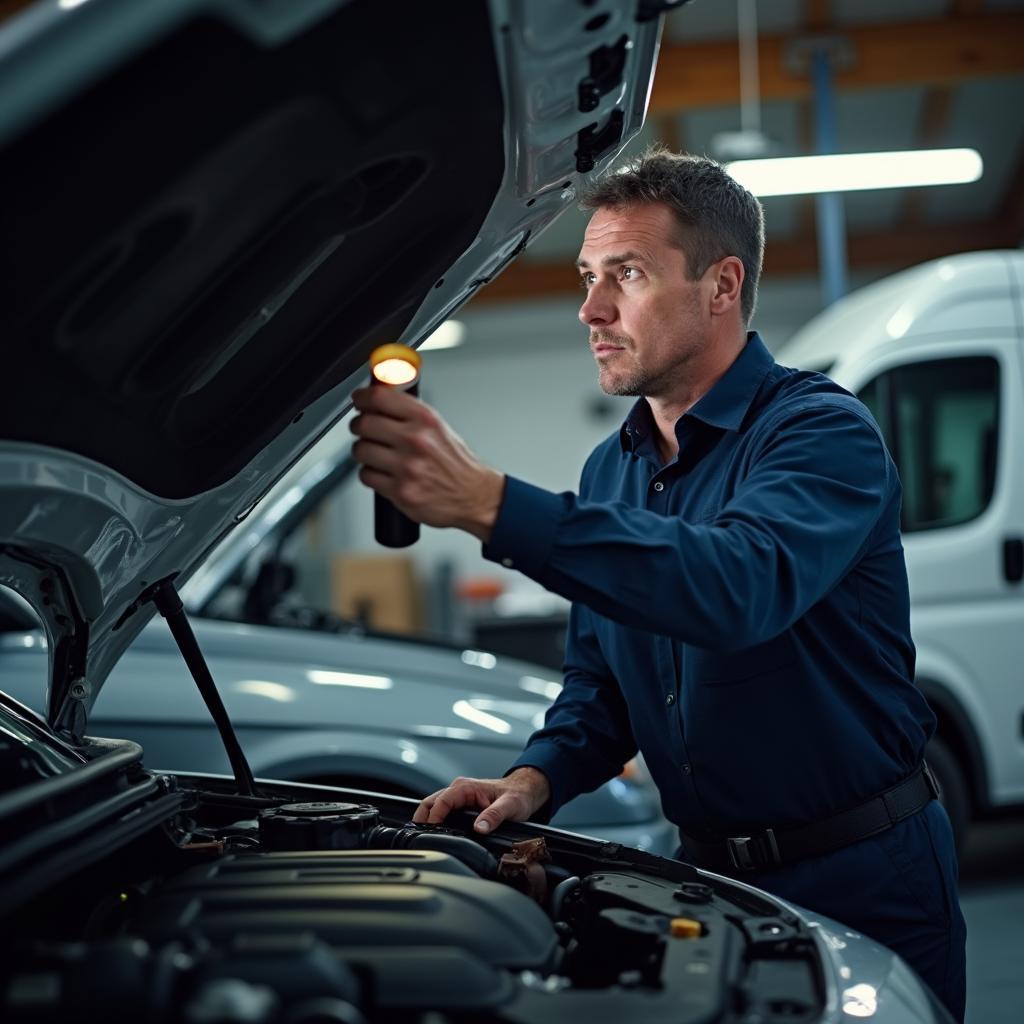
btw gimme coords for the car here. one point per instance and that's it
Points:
(937, 353)
(312, 694)
(223, 207)
(319, 706)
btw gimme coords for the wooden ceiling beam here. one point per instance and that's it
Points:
(8, 8)
(817, 15)
(965, 8)
(526, 281)
(935, 52)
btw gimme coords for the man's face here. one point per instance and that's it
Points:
(647, 319)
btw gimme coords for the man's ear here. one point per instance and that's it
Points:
(727, 277)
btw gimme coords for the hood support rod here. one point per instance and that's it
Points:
(168, 603)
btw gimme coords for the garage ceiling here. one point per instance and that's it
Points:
(925, 73)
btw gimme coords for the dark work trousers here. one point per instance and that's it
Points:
(898, 888)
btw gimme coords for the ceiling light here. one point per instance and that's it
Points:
(448, 335)
(854, 172)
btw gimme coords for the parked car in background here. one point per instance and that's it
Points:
(336, 707)
(937, 355)
(313, 695)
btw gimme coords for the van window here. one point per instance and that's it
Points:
(940, 420)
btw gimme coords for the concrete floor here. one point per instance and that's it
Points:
(992, 897)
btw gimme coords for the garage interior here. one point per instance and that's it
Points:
(904, 75)
(512, 373)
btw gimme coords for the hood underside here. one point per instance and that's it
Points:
(222, 207)
(185, 197)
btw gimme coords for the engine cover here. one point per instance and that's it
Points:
(409, 901)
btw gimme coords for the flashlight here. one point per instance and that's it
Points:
(394, 366)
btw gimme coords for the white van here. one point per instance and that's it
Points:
(937, 355)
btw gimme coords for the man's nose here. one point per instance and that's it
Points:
(597, 310)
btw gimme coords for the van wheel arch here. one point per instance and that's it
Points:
(952, 788)
(956, 733)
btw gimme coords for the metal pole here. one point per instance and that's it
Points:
(750, 88)
(829, 214)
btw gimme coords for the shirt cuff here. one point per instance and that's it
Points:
(524, 531)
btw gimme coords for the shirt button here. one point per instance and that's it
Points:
(686, 769)
(659, 486)
(670, 699)
(507, 562)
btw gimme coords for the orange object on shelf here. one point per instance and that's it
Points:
(479, 588)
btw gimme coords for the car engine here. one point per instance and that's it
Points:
(316, 905)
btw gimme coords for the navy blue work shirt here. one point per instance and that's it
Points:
(740, 614)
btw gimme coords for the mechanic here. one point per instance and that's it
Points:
(740, 604)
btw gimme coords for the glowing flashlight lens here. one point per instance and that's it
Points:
(395, 372)
(395, 365)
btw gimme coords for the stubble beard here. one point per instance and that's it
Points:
(632, 383)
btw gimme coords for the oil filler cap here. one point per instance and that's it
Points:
(318, 825)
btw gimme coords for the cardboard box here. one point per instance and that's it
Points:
(381, 591)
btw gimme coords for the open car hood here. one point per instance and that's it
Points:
(220, 207)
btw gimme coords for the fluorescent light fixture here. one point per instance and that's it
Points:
(325, 678)
(448, 335)
(855, 172)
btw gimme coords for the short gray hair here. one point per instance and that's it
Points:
(720, 217)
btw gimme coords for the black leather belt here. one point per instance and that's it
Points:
(768, 848)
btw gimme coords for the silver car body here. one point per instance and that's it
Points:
(392, 715)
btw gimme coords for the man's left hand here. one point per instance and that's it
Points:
(415, 460)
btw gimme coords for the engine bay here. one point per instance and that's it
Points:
(313, 905)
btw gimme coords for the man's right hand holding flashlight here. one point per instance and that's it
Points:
(415, 460)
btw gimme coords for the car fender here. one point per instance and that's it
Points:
(957, 730)
(948, 689)
(395, 761)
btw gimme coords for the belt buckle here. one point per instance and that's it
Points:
(933, 783)
(747, 853)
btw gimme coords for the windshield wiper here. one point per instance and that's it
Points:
(168, 603)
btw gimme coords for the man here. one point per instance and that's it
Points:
(740, 606)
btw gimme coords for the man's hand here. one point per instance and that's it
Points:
(416, 461)
(513, 798)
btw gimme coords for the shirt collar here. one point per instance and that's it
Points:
(724, 406)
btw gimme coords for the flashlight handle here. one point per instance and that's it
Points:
(391, 527)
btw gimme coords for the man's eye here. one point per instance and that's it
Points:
(630, 273)
(586, 280)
